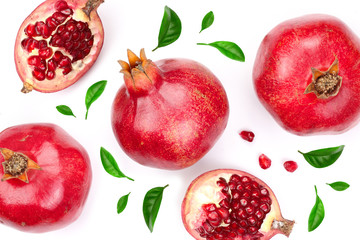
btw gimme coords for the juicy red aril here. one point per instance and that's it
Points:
(240, 215)
(73, 39)
(247, 135)
(39, 74)
(45, 53)
(264, 161)
(290, 166)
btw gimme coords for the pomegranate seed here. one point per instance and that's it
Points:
(45, 53)
(247, 135)
(50, 75)
(39, 28)
(30, 30)
(290, 166)
(34, 60)
(213, 216)
(71, 27)
(38, 74)
(81, 26)
(64, 62)
(42, 44)
(52, 64)
(75, 36)
(67, 70)
(223, 213)
(209, 207)
(264, 161)
(51, 23)
(59, 17)
(61, 5)
(265, 207)
(42, 65)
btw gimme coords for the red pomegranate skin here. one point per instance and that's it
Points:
(55, 195)
(176, 120)
(282, 72)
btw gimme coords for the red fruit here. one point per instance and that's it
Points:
(305, 75)
(169, 113)
(55, 26)
(247, 135)
(255, 214)
(45, 177)
(264, 161)
(290, 166)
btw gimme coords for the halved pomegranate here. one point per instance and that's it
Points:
(58, 43)
(232, 204)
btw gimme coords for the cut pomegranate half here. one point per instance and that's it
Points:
(232, 204)
(57, 44)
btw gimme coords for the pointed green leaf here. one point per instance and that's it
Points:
(110, 165)
(207, 21)
(229, 49)
(93, 93)
(121, 205)
(317, 213)
(151, 205)
(339, 186)
(63, 109)
(323, 157)
(170, 28)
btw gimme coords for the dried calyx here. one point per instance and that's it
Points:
(16, 165)
(325, 84)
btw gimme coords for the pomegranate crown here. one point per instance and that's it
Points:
(140, 74)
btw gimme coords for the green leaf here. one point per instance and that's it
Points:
(121, 205)
(229, 49)
(151, 205)
(339, 186)
(317, 214)
(207, 21)
(93, 93)
(323, 157)
(110, 165)
(170, 28)
(63, 109)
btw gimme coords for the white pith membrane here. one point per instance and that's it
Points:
(201, 192)
(77, 66)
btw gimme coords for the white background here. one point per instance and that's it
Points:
(135, 25)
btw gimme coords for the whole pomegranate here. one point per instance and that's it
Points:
(306, 75)
(232, 204)
(169, 113)
(58, 43)
(45, 177)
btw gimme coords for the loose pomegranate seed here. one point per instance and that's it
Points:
(264, 161)
(247, 135)
(290, 166)
(241, 216)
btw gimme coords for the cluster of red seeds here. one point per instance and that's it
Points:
(73, 36)
(240, 213)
